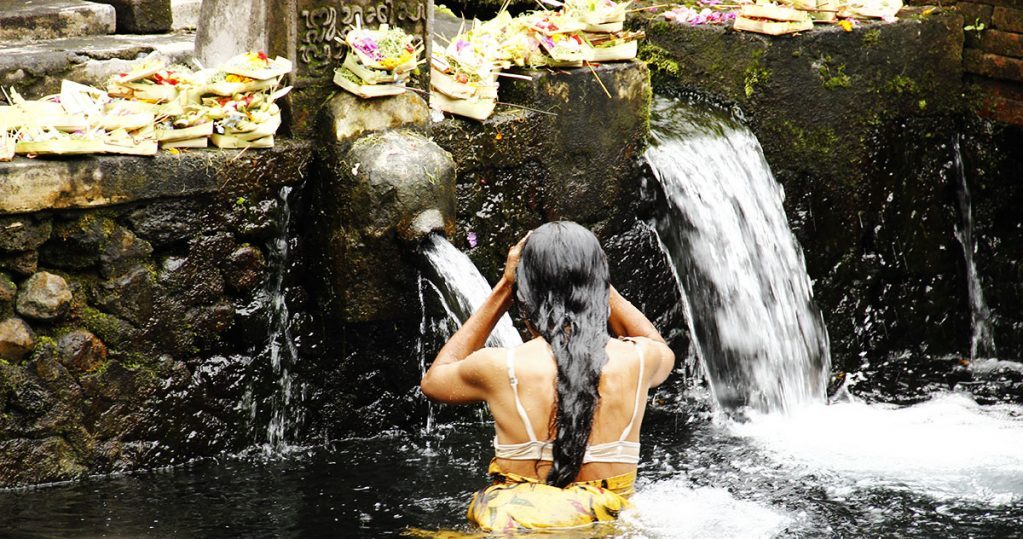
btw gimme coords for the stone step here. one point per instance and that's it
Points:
(36, 69)
(31, 20)
(185, 14)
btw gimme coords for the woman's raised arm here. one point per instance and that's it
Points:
(627, 321)
(459, 373)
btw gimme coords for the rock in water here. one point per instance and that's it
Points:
(16, 339)
(44, 296)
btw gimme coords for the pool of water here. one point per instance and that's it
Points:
(945, 465)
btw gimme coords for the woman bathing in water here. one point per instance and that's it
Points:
(569, 403)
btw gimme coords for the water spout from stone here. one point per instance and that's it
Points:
(461, 287)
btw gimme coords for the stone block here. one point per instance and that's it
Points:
(1008, 19)
(16, 339)
(141, 16)
(349, 117)
(1002, 43)
(974, 13)
(8, 291)
(94, 181)
(992, 65)
(185, 14)
(22, 21)
(44, 296)
(24, 263)
(81, 351)
(377, 188)
(1001, 101)
(37, 68)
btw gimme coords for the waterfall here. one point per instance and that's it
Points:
(462, 288)
(982, 338)
(283, 354)
(749, 301)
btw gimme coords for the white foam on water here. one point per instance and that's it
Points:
(948, 447)
(674, 508)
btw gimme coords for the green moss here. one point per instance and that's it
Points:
(837, 80)
(900, 85)
(106, 327)
(871, 37)
(755, 74)
(660, 60)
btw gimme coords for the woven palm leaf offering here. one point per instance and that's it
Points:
(463, 79)
(597, 16)
(378, 62)
(871, 9)
(151, 80)
(559, 36)
(8, 143)
(250, 121)
(772, 19)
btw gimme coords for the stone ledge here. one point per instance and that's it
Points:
(36, 69)
(52, 19)
(28, 185)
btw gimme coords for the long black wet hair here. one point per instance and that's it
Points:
(562, 289)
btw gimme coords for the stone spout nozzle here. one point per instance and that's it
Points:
(425, 223)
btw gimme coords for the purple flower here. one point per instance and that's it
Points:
(471, 236)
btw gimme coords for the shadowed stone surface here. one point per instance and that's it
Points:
(142, 16)
(81, 351)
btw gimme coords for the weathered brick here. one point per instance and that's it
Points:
(1001, 109)
(974, 13)
(992, 65)
(1008, 19)
(1001, 43)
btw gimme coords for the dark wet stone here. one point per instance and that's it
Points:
(44, 296)
(8, 291)
(44, 359)
(29, 461)
(16, 339)
(129, 296)
(255, 220)
(165, 222)
(23, 233)
(77, 244)
(122, 250)
(22, 263)
(81, 351)
(244, 269)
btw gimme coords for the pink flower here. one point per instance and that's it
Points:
(471, 236)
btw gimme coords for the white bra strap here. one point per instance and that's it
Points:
(515, 391)
(639, 394)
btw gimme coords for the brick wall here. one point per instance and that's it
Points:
(993, 56)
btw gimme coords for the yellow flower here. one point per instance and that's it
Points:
(846, 25)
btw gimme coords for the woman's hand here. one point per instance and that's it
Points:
(513, 259)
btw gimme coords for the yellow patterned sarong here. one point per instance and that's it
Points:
(517, 502)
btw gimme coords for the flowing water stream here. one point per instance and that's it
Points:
(982, 339)
(749, 301)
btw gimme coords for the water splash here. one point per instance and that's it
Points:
(982, 339)
(285, 413)
(462, 288)
(748, 298)
(949, 447)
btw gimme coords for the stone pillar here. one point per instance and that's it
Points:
(306, 32)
